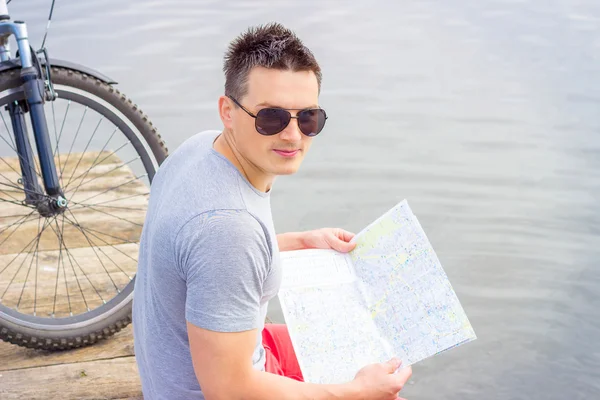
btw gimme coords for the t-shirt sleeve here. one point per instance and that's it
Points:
(224, 258)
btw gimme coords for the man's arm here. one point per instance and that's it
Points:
(325, 238)
(291, 241)
(223, 366)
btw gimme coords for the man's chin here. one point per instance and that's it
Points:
(289, 169)
(286, 171)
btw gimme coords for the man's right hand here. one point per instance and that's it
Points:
(379, 382)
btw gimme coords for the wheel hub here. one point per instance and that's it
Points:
(51, 206)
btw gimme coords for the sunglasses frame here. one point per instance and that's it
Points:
(255, 116)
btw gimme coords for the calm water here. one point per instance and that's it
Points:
(484, 115)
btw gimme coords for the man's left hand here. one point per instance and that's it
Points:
(329, 238)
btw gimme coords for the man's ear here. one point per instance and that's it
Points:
(225, 109)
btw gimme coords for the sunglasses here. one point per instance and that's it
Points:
(271, 121)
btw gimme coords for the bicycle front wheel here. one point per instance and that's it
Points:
(66, 280)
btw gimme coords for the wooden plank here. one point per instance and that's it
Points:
(67, 163)
(15, 357)
(90, 276)
(105, 191)
(100, 229)
(108, 379)
(105, 167)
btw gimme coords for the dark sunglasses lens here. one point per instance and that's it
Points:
(270, 121)
(311, 121)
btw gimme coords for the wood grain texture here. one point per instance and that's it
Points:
(103, 379)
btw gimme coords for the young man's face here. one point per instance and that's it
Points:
(282, 153)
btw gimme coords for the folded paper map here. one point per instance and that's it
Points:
(389, 297)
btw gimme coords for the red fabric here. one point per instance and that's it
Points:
(280, 356)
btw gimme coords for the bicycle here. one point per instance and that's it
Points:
(70, 218)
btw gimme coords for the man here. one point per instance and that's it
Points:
(209, 255)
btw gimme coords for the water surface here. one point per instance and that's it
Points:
(484, 115)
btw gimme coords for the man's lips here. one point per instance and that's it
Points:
(286, 153)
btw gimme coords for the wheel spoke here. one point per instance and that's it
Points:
(10, 184)
(21, 189)
(37, 244)
(73, 143)
(58, 140)
(57, 273)
(11, 167)
(14, 199)
(26, 246)
(15, 215)
(71, 259)
(90, 230)
(14, 146)
(100, 248)
(80, 206)
(116, 265)
(64, 269)
(60, 259)
(15, 223)
(37, 256)
(96, 162)
(17, 228)
(84, 174)
(15, 274)
(63, 262)
(19, 269)
(14, 186)
(37, 163)
(114, 187)
(92, 244)
(119, 199)
(37, 167)
(61, 127)
(102, 240)
(16, 202)
(109, 214)
(84, 150)
(100, 176)
(12, 191)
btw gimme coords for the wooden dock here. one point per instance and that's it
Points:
(106, 370)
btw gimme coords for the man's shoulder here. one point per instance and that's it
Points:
(194, 179)
(195, 147)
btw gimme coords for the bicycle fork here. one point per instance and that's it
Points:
(33, 86)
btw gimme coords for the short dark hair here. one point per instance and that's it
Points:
(269, 46)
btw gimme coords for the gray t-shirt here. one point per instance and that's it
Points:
(208, 255)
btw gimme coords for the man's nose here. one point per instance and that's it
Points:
(292, 132)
